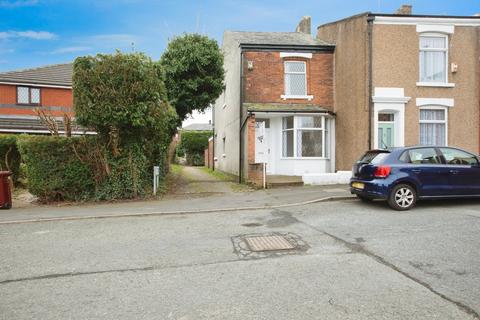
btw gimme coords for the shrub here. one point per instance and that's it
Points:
(9, 156)
(123, 98)
(54, 172)
(193, 144)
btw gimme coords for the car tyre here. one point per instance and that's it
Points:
(403, 197)
(363, 198)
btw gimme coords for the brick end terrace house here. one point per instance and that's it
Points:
(277, 108)
(48, 88)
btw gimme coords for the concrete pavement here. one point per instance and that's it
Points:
(202, 192)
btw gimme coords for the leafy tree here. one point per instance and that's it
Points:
(194, 75)
(193, 144)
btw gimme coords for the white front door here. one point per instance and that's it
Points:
(268, 140)
(263, 143)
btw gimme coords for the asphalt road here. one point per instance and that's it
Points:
(354, 261)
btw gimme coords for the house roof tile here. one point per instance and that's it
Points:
(57, 75)
(278, 107)
(276, 38)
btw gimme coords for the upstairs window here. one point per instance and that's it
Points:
(27, 95)
(295, 78)
(433, 58)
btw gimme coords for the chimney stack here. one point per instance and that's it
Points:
(305, 25)
(405, 9)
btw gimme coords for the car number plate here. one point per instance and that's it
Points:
(358, 185)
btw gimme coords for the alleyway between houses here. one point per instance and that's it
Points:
(196, 181)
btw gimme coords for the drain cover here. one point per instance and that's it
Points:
(268, 243)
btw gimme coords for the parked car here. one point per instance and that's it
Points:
(404, 175)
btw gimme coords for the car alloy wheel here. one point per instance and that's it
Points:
(403, 197)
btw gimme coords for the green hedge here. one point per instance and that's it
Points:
(192, 145)
(9, 156)
(54, 171)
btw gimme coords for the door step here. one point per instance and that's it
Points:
(277, 181)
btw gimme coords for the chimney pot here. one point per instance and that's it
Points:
(405, 9)
(305, 25)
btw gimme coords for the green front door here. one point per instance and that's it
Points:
(386, 135)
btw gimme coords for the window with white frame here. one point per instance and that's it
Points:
(433, 58)
(433, 126)
(295, 78)
(304, 137)
(27, 95)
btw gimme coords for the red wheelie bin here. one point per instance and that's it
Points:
(5, 190)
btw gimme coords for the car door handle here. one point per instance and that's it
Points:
(454, 171)
(416, 170)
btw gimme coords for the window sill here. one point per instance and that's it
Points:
(435, 84)
(285, 97)
(304, 158)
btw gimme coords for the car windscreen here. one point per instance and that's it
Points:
(373, 157)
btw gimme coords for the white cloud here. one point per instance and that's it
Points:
(28, 34)
(70, 50)
(18, 3)
(113, 40)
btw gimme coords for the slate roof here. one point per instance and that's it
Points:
(276, 38)
(34, 125)
(198, 127)
(57, 74)
(278, 107)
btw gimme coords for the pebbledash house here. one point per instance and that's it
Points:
(309, 107)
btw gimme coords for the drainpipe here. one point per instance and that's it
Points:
(213, 137)
(370, 81)
(240, 148)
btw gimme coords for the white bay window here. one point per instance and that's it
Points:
(304, 137)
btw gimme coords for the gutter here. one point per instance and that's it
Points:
(269, 47)
(31, 84)
(240, 148)
(370, 20)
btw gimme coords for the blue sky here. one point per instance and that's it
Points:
(39, 32)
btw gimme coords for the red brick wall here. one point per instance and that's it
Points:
(255, 170)
(208, 155)
(251, 140)
(8, 94)
(265, 83)
(56, 97)
(50, 97)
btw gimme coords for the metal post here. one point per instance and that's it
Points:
(264, 175)
(156, 174)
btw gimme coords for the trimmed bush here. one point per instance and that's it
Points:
(192, 145)
(123, 98)
(54, 172)
(9, 156)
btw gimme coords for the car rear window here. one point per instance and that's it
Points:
(374, 157)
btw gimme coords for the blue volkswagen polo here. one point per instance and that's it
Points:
(404, 175)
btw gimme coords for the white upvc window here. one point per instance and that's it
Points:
(296, 80)
(433, 126)
(28, 95)
(433, 58)
(304, 137)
